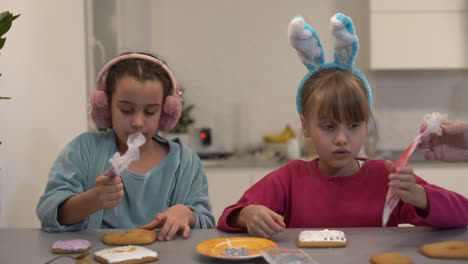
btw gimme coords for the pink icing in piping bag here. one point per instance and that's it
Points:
(110, 172)
(120, 163)
(433, 121)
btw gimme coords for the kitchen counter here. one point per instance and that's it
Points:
(241, 163)
(33, 245)
(417, 160)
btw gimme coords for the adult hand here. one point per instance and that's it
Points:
(451, 146)
(403, 183)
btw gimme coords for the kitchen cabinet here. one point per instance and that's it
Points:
(452, 176)
(227, 184)
(418, 34)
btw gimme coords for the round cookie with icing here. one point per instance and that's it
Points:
(70, 246)
(131, 237)
(321, 238)
(126, 255)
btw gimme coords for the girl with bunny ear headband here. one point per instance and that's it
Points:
(307, 43)
(337, 189)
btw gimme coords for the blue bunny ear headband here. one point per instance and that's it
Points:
(305, 40)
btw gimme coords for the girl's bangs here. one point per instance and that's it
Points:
(343, 104)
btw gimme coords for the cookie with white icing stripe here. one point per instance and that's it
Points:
(126, 255)
(321, 238)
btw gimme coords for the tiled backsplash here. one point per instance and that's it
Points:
(397, 129)
(402, 98)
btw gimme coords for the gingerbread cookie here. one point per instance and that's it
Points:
(446, 250)
(390, 258)
(70, 246)
(131, 237)
(126, 255)
(321, 238)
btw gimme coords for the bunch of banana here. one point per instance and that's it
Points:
(283, 137)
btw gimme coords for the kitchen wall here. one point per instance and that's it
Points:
(238, 54)
(228, 51)
(43, 70)
(234, 60)
(402, 98)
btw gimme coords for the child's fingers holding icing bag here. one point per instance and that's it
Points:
(109, 191)
(403, 182)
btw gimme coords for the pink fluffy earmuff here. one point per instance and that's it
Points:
(100, 108)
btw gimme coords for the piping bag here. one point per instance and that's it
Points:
(120, 163)
(433, 122)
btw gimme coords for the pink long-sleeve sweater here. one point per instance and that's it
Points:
(309, 199)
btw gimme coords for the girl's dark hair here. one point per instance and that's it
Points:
(140, 69)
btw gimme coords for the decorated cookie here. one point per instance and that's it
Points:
(70, 246)
(126, 255)
(321, 238)
(390, 258)
(131, 237)
(446, 250)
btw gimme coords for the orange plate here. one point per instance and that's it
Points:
(214, 247)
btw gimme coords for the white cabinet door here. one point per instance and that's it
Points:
(453, 177)
(226, 186)
(257, 174)
(418, 5)
(433, 36)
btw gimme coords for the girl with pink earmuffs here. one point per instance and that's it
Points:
(165, 187)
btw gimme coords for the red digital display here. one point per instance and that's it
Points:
(203, 135)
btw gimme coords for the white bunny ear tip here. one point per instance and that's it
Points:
(297, 30)
(334, 21)
(340, 20)
(339, 16)
(297, 19)
(297, 23)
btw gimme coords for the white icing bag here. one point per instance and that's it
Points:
(120, 163)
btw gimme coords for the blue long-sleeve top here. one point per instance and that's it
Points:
(178, 179)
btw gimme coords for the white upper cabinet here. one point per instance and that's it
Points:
(419, 34)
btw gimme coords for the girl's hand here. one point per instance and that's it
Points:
(260, 221)
(176, 218)
(108, 191)
(403, 183)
